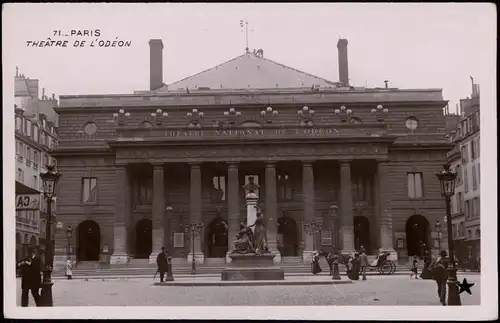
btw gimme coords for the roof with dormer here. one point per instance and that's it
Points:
(248, 71)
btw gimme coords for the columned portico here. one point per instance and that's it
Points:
(385, 212)
(195, 210)
(271, 211)
(121, 217)
(158, 209)
(346, 207)
(309, 206)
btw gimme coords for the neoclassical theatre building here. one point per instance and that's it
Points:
(338, 166)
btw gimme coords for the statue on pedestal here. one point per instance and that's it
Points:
(251, 186)
(260, 243)
(244, 242)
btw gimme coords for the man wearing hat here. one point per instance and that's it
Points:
(31, 277)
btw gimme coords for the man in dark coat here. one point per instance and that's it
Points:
(439, 272)
(161, 262)
(354, 266)
(31, 278)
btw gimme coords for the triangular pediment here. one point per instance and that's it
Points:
(248, 71)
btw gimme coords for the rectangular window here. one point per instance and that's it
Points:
(478, 207)
(35, 182)
(21, 149)
(467, 209)
(144, 191)
(415, 185)
(460, 202)
(478, 173)
(35, 133)
(474, 179)
(89, 190)
(473, 149)
(45, 160)
(458, 170)
(465, 155)
(20, 175)
(466, 181)
(284, 187)
(28, 128)
(28, 154)
(19, 124)
(36, 158)
(219, 188)
(17, 147)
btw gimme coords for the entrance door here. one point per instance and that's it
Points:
(217, 239)
(417, 235)
(143, 238)
(362, 233)
(287, 237)
(89, 241)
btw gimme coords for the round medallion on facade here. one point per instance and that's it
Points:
(90, 128)
(411, 123)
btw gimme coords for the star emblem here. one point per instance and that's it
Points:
(465, 286)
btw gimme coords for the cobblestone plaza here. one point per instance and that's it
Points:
(377, 290)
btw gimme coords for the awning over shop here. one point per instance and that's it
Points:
(23, 189)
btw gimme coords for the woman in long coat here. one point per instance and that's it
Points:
(316, 269)
(426, 273)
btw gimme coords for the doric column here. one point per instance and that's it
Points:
(271, 206)
(158, 211)
(121, 218)
(233, 206)
(385, 212)
(346, 207)
(195, 210)
(308, 197)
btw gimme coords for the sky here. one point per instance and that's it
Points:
(411, 45)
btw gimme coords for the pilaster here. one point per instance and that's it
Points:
(195, 208)
(309, 207)
(158, 216)
(271, 206)
(385, 211)
(346, 207)
(122, 211)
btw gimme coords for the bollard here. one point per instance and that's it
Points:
(336, 273)
(170, 276)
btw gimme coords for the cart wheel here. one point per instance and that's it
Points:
(393, 268)
(385, 268)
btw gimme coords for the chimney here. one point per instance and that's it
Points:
(155, 64)
(53, 96)
(43, 93)
(343, 65)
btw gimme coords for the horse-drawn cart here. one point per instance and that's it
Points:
(383, 265)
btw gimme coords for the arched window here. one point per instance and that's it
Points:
(284, 187)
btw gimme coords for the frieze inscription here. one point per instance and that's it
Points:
(252, 151)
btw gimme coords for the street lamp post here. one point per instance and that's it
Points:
(194, 231)
(313, 227)
(69, 234)
(438, 231)
(447, 179)
(49, 179)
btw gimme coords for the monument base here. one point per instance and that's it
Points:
(252, 267)
(119, 259)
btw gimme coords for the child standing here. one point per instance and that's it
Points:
(414, 268)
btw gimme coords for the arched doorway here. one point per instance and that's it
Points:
(89, 241)
(287, 237)
(417, 235)
(143, 238)
(362, 233)
(217, 241)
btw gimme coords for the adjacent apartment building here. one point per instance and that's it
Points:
(35, 138)
(464, 158)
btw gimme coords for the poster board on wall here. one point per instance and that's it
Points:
(178, 239)
(326, 237)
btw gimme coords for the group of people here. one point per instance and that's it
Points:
(356, 265)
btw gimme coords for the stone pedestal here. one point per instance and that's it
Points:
(251, 201)
(120, 259)
(199, 258)
(252, 267)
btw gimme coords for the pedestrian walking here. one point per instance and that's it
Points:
(353, 267)
(315, 267)
(161, 262)
(69, 268)
(31, 278)
(363, 259)
(439, 274)
(426, 273)
(414, 267)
